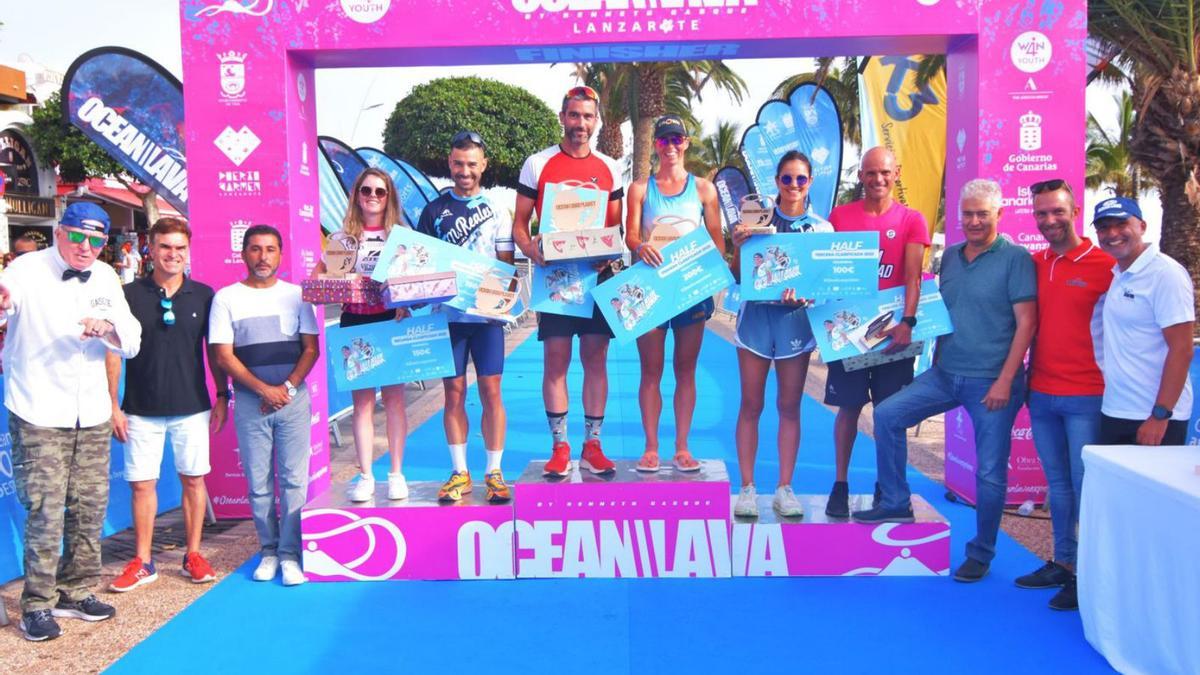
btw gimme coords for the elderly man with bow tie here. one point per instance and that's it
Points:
(65, 310)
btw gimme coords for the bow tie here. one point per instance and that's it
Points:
(71, 272)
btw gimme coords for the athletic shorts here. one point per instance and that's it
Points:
(774, 331)
(854, 388)
(557, 325)
(348, 319)
(187, 434)
(694, 314)
(483, 342)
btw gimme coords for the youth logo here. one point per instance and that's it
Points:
(1031, 51)
(366, 11)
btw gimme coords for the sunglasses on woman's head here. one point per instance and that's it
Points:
(79, 237)
(366, 191)
(674, 139)
(800, 181)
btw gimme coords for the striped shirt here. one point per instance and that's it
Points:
(264, 326)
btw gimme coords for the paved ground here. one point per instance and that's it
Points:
(91, 647)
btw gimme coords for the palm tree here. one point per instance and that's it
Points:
(1157, 45)
(642, 92)
(1108, 160)
(712, 151)
(610, 80)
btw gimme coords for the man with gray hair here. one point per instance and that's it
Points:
(990, 289)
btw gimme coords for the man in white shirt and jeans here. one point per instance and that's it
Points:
(265, 338)
(65, 310)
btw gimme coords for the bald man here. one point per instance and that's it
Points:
(903, 237)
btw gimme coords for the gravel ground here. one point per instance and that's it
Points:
(90, 647)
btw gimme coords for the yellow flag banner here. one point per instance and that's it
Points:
(911, 122)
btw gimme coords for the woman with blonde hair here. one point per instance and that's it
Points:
(374, 210)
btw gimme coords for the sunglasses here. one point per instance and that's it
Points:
(584, 91)
(800, 181)
(366, 191)
(168, 310)
(1051, 185)
(464, 136)
(95, 241)
(674, 139)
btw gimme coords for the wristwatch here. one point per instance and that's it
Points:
(1160, 412)
(291, 389)
(228, 393)
(911, 321)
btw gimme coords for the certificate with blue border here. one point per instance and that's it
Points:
(389, 352)
(563, 288)
(816, 265)
(642, 297)
(851, 327)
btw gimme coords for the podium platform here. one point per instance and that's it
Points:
(816, 545)
(625, 524)
(415, 538)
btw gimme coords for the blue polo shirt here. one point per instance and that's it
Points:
(980, 295)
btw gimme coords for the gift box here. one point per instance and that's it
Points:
(603, 243)
(344, 290)
(420, 289)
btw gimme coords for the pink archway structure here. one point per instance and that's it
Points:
(1016, 96)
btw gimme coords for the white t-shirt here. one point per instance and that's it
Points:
(264, 327)
(1154, 293)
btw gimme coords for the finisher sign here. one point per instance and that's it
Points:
(133, 108)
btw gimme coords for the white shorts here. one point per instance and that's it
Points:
(188, 435)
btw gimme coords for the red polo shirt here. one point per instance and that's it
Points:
(1067, 349)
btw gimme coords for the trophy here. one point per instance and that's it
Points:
(577, 206)
(340, 255)
(668, 228)
(493, 299)
(755, 214)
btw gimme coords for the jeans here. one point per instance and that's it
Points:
(275, 445)
(1062, 425)
(936, 391)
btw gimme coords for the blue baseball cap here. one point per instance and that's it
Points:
(86, 216)
(1117, 207)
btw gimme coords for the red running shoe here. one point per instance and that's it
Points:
(593, 458)
(136, 573)
(560, 460)
(197, 568)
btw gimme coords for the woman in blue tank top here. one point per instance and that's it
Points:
(669, 204)
(775, 332)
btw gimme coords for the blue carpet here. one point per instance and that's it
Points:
(640, 626)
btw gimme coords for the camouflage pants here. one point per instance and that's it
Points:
(62, 481)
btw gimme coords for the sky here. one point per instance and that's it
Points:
(353, 104)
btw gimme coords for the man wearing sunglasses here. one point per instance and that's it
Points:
(1066, 385)
(65, 311)
(465, 217)
(571, 160)
(903, 238)
(166, 400)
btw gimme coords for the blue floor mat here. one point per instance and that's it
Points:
(638, 625)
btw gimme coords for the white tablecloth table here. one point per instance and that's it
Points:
(1139, 557)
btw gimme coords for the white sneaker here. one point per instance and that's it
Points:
(397, 487)
(267, 567)
(363, 490)
(292, 574)
(785, 503)
(746, 506)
